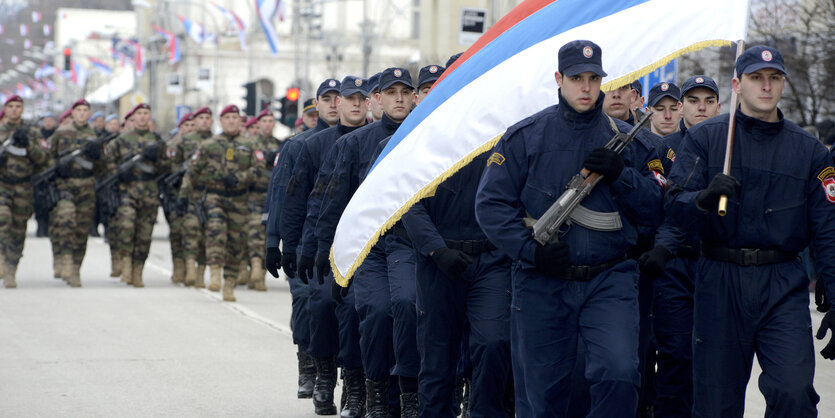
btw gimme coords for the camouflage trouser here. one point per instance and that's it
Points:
(256, 231)
(112, 235)
(176, 234)
(16, 206)
(135, 219)
(194, 237)
(70, 220)
(226, 233)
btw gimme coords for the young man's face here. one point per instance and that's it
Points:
(580, 91)
(375, 106)
(665, 117)
(423, 90)
(187, 127)
(80, 114)
(230, 123)
(14, 110)
(98, 123)
(266, 125)
(310, 119)
(699, 104)
(50, 123)
(142, 119)
(397, 101)
(203, 122)
(353, 109)
(617, 102)
(759, 92)
(326, 105)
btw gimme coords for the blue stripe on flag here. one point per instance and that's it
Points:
(552, 20)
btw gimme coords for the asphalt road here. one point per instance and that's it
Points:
(107, 349)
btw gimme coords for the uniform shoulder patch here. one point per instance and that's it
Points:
(655, 165)
(826, 173)
(496, 158)
(259, 155)
(671, 155)
(827, 179)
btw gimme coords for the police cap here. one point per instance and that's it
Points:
(662, 90)
(429, 74)
(374, 83)
(578, 57)
(699, 81)
(327, 86)
(351, 85)
(394, 75)
(757, 58)
(308, 106)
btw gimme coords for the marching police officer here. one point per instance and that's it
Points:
(665, 101)
(138, 191)
(223, 165)
(586, 271)
(751, 290)
(70, 219)
(22, 154)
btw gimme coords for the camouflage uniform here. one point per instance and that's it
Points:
(227, 207)
(175, 221)
(193, 237)
(16, 200)
(138, 199)
(264, 147)
(70, 219)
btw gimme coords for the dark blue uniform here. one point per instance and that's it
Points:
(370, 288)
(673, 314)
(300, 206)
(786, 202)
(477, 302)
(531, 165)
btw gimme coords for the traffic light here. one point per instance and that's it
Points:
(251, 99)
(290, 107)
(67, 59)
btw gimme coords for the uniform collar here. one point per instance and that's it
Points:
(77, 126)
(389, 124)
(13, 126)
(682, 127)
(321, 124)
(751, 124)
(205, 134)
(585, 118)
(140, 131)
(229, 137)
(342, 129)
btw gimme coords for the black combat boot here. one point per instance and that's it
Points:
(354, 390)
(377, 398)
(307, 376)
(408, 405)
(325, 382)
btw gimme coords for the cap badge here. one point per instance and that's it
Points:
(332, 83)
(433, 69)
(358, 82)
(699, 80)
(665, 87)
(587, 52)
(767, 56)
(398, 73)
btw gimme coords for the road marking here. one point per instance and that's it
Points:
(234, 307)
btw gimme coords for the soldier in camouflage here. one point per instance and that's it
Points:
(112, 231)
(224, 165)
(22, 155)
(175, 219)
(266, 148)
(71, 218)
(138, 191)
(194, 242)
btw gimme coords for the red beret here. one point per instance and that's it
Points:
(265, 112)
(203, 110)
(250, 122)
(129, 114)
(80, 102)
(64, 115)
(230, 109)
(145, 106)
(13, 98)
(187, 117)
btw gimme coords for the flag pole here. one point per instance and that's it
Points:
(729, 144)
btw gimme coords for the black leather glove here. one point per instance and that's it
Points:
(272, 260)
(182, 206)
(451, 262)
(92, 150)
(721, 184)
(323, 267)
(20, 139)
(64, 169)
(552, 259)
(653, 261)
(605, 162)
(151, 152)
(828, 323)
(821, 301)
(269, 158)
(306, 269)
(339, 293)
(288, 264)
(230, 181)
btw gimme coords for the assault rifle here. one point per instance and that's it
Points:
(567, 207)
(107, 193)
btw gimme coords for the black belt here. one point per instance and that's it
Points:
(253, 189)
(227, 193)
(747, 256)
(9, 180)
(585, 273)
(688, 251)
(471, 246)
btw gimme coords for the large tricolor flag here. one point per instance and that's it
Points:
(172, 44)
(267, 10)
(235, 22)
(508, 75)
